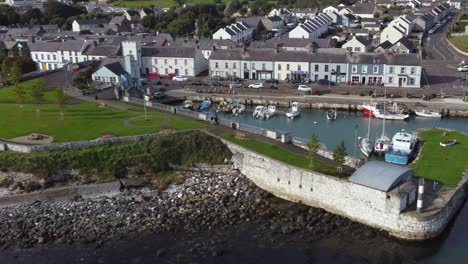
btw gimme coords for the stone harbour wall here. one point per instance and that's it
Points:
(360, 203)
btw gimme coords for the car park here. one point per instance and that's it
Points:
(304, 88)
(180, 78)
(256, 85)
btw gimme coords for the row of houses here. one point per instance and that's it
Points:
(312, 28)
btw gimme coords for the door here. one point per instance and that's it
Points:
(246, 75)
(363, 80)
(147, 71)
(253, 76)
(400, 82)
(176, 72)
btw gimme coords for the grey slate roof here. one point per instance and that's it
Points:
(103, 50)
(406, 43)
(71, 45)
(115, 67)
(230, 54)
(381, 175)
(363, 40)
(386, 45)
(45, 46)
(117, 20)
(92, 21)
(170, 52)
(404, 59)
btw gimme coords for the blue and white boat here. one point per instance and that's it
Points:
(402, 148)
(204, 105)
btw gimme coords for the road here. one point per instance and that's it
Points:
(440, 62)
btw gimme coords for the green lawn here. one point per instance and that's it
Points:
(281, 154)
(7, 94)
(443, 164)
(460, 42)
(82, 121)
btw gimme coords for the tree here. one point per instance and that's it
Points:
(5, 70)
(340, 153)
(15, 73)
(313, 145)
(37, 91)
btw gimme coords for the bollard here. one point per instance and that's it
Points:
(419, 204)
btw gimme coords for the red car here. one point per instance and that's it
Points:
(154, 75)
(171, 75)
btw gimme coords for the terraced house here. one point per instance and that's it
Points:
(236, 32)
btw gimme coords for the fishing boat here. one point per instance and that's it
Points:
(402, 149)
(271, 109)
(331, 114)
(389, 116)
(370, 108)
(382, 143)
(204, 105)
(294, 111)
(238, 108)
(367, 146)
(448, 143)
(259, 112)
(425, 113)
(188, 104)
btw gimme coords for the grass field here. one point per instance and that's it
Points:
(280, 154)
(460, 42)
(443, 164)
(7, 94)
(82, 121)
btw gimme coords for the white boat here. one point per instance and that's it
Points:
(331, 114)
(383, 142)
(294, 111)
(389, 116)
(425, 113)
(188, 104)
(402, 148)
(259, 112)
(448, 143)
(238, 109)
(366, 146)
(271, 109)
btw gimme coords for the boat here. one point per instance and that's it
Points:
(331, 114)
(294, 111)
(204, 105)
(238, 108)
(367, 146)
(222, 106)
(382, 143)
(188, 104)
(259, 112)
(425, 113)
(271, 109)
(370, 108)
(402, 149)
(389, 116)
(447, 143)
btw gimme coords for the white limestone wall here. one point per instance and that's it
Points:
(359, 203)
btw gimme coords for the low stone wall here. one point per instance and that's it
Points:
(13, 146)
(339, 196)
(61, 194)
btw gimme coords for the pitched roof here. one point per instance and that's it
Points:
(117, 20)
(103, 50)
(93, 21)
(411, 59)
(386, 45)
(169, 52)
(381, 175)
(115, 67)
(406, 43)
(71, 45)
(363, 40)
(45, 46)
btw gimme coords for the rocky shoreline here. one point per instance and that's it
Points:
(206, 200)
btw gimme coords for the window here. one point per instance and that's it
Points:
(186, 72)
(185, 62)
(245, 65)
(391, 70)
(349, 48)
(413, 70)
(279, 67)
(263, 66)
(253, 66)
(355, 79)
(216, 65)
(97, 78)
(175, 61)
(279, 76)
(390, 79)
(112, 80)
(357, 49)
(166, 71)
(298, 67)
(42, 56)
(37, 56)
(234, 65)
(411, 81)
(338, 68)
(402, 70)
(287, 67)
(364, 69)
(316, 67)
(354, 69)
(326, 68)
(55, 57)
(226, 65)
(376, 69)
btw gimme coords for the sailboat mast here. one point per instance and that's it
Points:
(384, 103)
(368, 126)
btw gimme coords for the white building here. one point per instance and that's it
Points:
(358, 44)
(21, 3)
(88, 24)
(54, 55)
(305, 13)
(403, 23)
(312, 28)
(236, 32)
(403, 70)
(392, 34)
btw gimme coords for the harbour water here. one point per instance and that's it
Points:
(345, 127)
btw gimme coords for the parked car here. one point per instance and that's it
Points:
(325, 82)
(160, 89)
(154, 75)
(158, 95)
(180, 78)
(199, 91)
(217, 84)
(304, 88)
(256, 85)
(463, 68)
(216, 78)
(198, 83)
(237, 80)
(235, 85)
(171, 75)
(271, 81)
